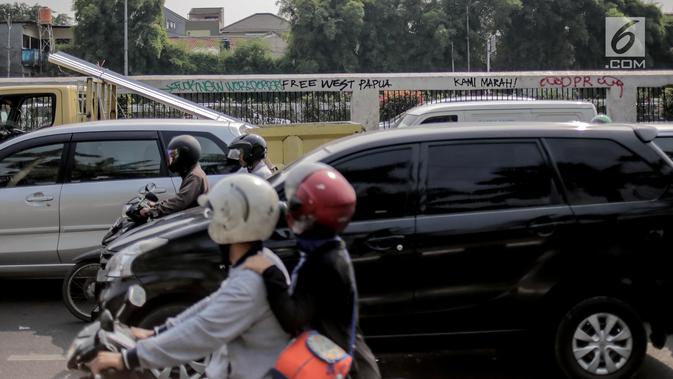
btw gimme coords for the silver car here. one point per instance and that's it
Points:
(62, 187)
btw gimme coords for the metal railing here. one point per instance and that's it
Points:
(655, 104)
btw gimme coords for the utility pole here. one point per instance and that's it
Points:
(453, 63)
(467, 31)
(488, 54)
(126, 38)
(9, 43)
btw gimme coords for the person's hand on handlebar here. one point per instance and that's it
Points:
(141, 334)
(147, 212)
(105, 360)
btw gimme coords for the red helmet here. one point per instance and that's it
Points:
(319, 199)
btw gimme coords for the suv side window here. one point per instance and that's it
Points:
(469, 177)
(31, 167)
(665, 144)
(602, 171)
(440, 119)
(213, 159)
(116, 160)
(382, 181)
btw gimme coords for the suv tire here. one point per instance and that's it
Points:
(600, 337)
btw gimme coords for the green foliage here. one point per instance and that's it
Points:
(63, 19)
(251, 57)
(19, 11)
(99, 34)
(325, 34)
(578, 40)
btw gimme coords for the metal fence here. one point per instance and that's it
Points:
(655, 104)
(297, 107)
(257, 108)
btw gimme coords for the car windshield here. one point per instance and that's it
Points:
(406, 121)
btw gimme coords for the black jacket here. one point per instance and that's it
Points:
(194, 184)
(322, 300)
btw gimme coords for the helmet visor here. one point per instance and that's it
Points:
(234, 154)
(172, 155)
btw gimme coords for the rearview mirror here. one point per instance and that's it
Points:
(137, 296)
(150, 187)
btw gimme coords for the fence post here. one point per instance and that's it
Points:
(622, 102)
(365, 108)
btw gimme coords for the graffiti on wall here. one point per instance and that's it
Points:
(485, 83)
(347, 85)
(586, 81)
(275, 85)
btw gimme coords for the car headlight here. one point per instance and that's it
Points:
(119, 266)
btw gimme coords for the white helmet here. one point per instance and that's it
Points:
(241, 208)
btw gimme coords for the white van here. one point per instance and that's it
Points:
(497, 111)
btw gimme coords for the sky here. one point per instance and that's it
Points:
(234, 10)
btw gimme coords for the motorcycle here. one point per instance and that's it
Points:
(79, 286)
(109, 334)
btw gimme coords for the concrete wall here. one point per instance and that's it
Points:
(366, 88)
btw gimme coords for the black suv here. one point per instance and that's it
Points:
(562, 229)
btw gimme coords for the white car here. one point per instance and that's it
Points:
(498, 111)
(62, 187)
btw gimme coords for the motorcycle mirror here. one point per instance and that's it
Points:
(106, 321)
(151, 197)
(150, 187)
(136, 296)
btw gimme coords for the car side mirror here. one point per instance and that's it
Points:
(136, 296)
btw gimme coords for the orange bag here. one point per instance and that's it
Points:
(312, 356)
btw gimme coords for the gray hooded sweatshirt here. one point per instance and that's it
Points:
(235, 324)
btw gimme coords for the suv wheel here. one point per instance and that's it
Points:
(601, 337)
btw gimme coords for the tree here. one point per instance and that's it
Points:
(251, 57)
(20, 11)
(325, 34)
(63, 19)
(99, 33)
(570, 34)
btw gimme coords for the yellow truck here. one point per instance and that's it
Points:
(30, 107)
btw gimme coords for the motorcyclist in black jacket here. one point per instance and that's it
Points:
(183, 158)
(321, 296)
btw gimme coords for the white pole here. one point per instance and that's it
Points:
(126, 38)
(453, 63)
(488, 54)
(9, 44)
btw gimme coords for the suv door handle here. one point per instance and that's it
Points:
(543, 228)
(39, 197)
(385, 243)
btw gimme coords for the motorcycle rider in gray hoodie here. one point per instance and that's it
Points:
(235, 323)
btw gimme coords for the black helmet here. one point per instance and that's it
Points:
(185, 151)
(252, 148)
